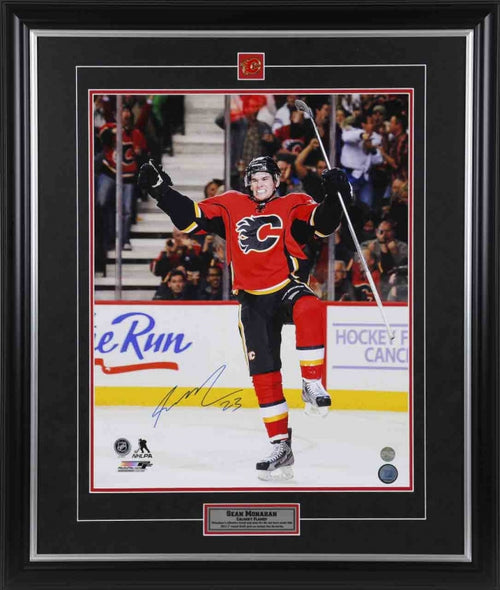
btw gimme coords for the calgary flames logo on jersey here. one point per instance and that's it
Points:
(258, 234)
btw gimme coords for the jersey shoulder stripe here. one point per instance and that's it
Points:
(300, 199)
(224, 197)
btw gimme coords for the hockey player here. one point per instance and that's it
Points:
(265, 263)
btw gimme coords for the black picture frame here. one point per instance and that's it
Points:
(18, 18)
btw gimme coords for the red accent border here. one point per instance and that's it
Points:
(159, 302)
(235, 303)
(255, 91)
(366, 303)
(92, 291)
(91, 93)
(410, 282)
(387, 488)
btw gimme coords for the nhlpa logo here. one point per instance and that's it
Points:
(255, 233)
(142, 452)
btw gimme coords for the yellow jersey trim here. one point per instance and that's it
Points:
(241, 330)
(270, 290)
(311, 363)
(275, 418)
(191, 227)
(311, 220)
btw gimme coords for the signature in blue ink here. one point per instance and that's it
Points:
(228, 401)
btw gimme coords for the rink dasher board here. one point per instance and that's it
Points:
(192, 353)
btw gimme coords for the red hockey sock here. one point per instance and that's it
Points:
(309, 320)
(273, 406)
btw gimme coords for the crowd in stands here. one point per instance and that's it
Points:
(188, 270)
(368, 139)
(148, 125)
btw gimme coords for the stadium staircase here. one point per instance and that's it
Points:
(198, 156)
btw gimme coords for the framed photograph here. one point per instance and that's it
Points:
(250, 295)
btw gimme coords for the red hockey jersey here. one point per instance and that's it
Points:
(260, 249)
(133, 142)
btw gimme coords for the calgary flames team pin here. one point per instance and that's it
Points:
(251, 66)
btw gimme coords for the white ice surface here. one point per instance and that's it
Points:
(210, 448)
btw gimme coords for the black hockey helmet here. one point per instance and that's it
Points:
(262, 164)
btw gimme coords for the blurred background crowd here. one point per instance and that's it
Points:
(366, 135)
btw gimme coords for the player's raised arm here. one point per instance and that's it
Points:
(328, 214)
(185, 213)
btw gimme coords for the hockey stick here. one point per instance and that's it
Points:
(302, 106)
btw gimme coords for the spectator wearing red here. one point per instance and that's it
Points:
(134, 147)
(250, 137)
(397, 209)
(395, 149)
(359, 279)
(344, 291)
(283, 117)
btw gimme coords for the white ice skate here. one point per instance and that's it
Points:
(316, 397)
(278, 464)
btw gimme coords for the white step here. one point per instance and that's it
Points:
(201, 128)
(189, 169)
(204, 116)
(200, 145)
(132, 271)
(132, 295)
(195, 175)
(146, 220)
(154, 215)
(109, 281)
(186, 161)
(142, 249)
(193, 102)
(194, 179)
(203, 140)
(158, 224)
(192, 165)
(197, 150)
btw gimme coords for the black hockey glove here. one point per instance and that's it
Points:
(335, 181)
(152, 179)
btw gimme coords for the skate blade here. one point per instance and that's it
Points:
(280, 474)
(316, 411)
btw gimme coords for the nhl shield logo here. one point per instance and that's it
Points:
(251, 66)
(122, 447)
